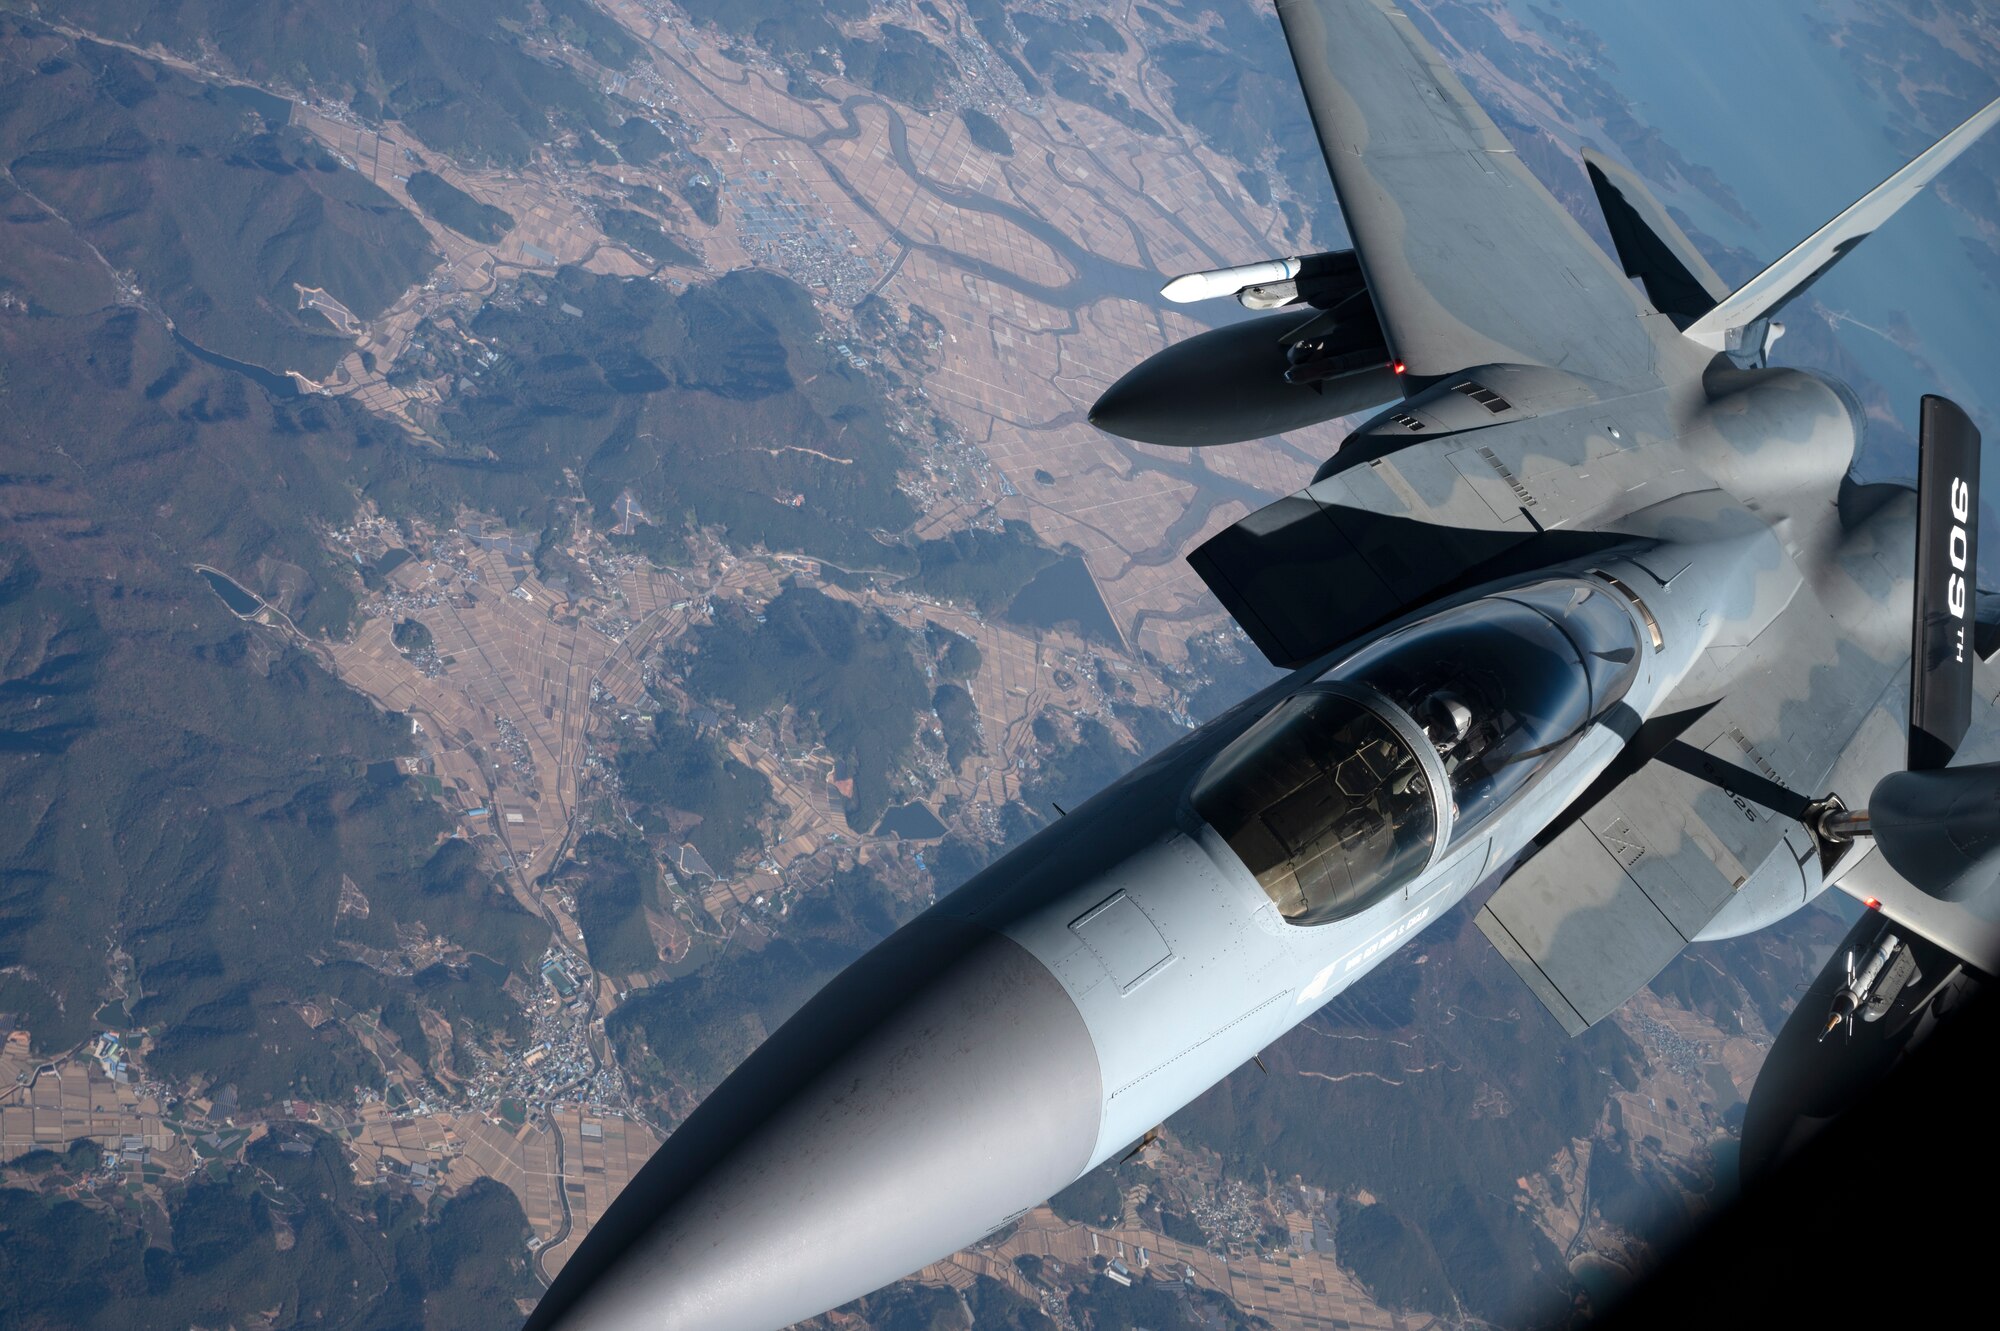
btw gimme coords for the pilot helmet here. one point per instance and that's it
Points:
(1445, 718)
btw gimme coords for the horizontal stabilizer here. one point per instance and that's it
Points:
(1763, 295)
(1651, 245)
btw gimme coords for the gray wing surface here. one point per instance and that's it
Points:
(1580, 931)
(1704, 832)
(1601, 909)
(1470, 260)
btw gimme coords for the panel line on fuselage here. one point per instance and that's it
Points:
(1218, 1031)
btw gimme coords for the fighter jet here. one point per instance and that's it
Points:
(1591, 605)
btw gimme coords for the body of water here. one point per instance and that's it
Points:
(1601, 1280)
(277, 385)
(487, 968)
(1063, 593)
(276, 111)
(910, 822)
(232, 593)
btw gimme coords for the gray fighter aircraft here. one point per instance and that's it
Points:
(1593, 604)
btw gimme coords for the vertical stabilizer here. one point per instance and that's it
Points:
(1651, 245)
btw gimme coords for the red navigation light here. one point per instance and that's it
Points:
(1398, 366)
(1873, 903)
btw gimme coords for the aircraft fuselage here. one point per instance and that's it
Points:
(1033, 1024)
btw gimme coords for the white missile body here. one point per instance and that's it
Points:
(1219, 282)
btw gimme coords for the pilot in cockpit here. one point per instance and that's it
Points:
(1447, 721)
(1325, 801)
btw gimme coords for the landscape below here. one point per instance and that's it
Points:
(531, 535)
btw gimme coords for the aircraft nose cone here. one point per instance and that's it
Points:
(940, 1086)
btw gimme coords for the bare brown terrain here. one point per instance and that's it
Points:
(1298, 1288)
(1035, 267)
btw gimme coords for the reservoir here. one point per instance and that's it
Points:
(910, 822)
(1063, 593)
(487, 968)
(1600, 1279)
(275, 111)
(232, 594)
(277, 385)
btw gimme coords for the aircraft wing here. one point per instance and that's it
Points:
(1578, 929)
(1469, 259)
(1645, 870)
(1695, 832)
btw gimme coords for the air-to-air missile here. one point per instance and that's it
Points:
(1592, 607)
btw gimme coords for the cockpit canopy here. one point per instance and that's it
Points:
(1340, 794)
(1502, 685)
(1325, 803)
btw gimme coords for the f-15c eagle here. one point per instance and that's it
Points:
(1593, 603)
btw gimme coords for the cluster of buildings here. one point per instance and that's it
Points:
(1230, 1216)
(800, 239)
(1685, 1056)
(515, 747)
(556, 1060)
(110, 1056)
